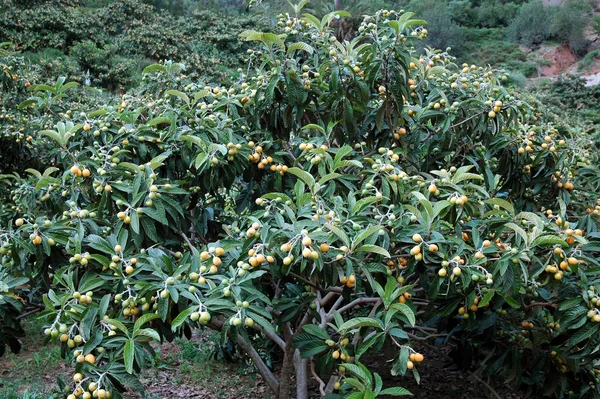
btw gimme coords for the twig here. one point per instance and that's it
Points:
(182, 234)
(319, 380)
(356, 302)
(540, 305)
(33, 311)
(416, 337)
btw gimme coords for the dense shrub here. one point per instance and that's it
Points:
(338, 200)
(442, 31)
(573, 100)
(566, 24)
(116, 41)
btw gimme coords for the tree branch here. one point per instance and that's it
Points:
(357, 302)
(301, 376)
(287, 366)
(260, 365)
(271, 380)
(539, 305)
(322, 385)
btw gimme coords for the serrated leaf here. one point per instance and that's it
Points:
(396, 391)
(128, 355)
(300, 46)
(304, 176)
(358, 322)
(406, 311)
(181, 317)
(374, 249)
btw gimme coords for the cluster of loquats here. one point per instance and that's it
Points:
(87, 388)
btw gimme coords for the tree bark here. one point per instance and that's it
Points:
(288, 364)
(301, 376)
(217, 324)
(332, 380)
(260, 365)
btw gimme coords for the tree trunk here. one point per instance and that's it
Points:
(288, 365)
(260, 365)
(217, 325)
(301, 376)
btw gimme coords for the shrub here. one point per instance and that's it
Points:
(587, 61)
(566, 24)
(122, 37)
(443, 32)
(532, 25)
(339, 199)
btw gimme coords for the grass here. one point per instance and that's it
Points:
(587, 61)
(21, 372)
(193, 362)
(190, 362)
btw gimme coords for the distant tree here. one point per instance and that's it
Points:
(443, 31)
(532, 25)
(596, 24)
(569, 23)
(496, 14)
(536, 23)
(462, 12)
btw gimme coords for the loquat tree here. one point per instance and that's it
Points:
(341, 198)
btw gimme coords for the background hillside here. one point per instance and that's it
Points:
(114, 40)
(107, 44)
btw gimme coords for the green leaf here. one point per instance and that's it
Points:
(148, 332)
(179, 94)
(310, 126)
(145, 318)
(358, 322)
(328, 177)
(304, 176)
(502, 204)
(360, 204)
(53, 135)
(364, 235)
(154, 68)
(339, 233)
(517, 229)
(300, 46)
(512, 302)
(360, 371)
(586, 332)
(181, 317)
(158, 121)
(550, 240)
(128, 355)
(487, 297)
(316, 331)
(570, 303)
(406, 311)
(119, 325)
(374, 249)
(396, 391)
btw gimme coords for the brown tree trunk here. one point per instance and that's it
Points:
(287, 368)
